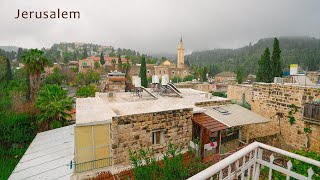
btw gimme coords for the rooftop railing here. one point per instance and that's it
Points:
(311, 113)
(248, 163)
(91, 165)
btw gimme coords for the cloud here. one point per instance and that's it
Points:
(156, 25)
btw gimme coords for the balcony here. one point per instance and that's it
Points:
(252, 161)
(92, 165)
(311, 113)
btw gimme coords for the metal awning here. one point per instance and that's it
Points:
(234, 115)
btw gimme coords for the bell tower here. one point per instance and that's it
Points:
(180, 55)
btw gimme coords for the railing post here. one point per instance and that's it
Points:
(258, 166)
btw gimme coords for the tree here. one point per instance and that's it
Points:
(96, 65)
(126, 67)
(143, 73)
(35, 62)
(119, 63)
(113, 62)
(53, 103)
(86, 91)
(19, 54)
(88, 77)
(188, 78)
(264, 73)
(239, 76)
(102, 61)
(275, 59)
(55, 78)
(84, 53)
(5, 70)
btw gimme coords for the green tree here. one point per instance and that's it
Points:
(119, 63)
(143, 73)
(188, 78)
(5, 70)
(88, 77)
(84, 53)
(239, 76)
(113, 62)
(96, 65)
(275, 59)
(35, 62)
(86, 91)
(55, 78)
(126, 67)
(102, 61)
(53, 103)
(264, 73)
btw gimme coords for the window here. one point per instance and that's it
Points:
(172, 72)
(157, 137)
(148, 71)
(160, 72)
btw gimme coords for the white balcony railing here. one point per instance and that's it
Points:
(248, 162)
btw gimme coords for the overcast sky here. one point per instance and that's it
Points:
(155, 26)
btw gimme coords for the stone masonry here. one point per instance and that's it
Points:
(135, 131)
(273, 101)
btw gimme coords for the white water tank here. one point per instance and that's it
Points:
(155, 79)
(165, 79)
(137, 82)
(133, 79)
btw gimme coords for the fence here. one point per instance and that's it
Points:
(91, 165)
(311, 113)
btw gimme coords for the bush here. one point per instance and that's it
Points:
(87, 91)
(220, 94)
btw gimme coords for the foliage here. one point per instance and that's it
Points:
(119, 63)
(173, 165)
(143, 73)
(188, 78)
(176, 79)
(264, 73)
(67, 56)
(86, 91)
(55, 78)
(307, 130)
(34, 61)
(144, 164)
(88, 77)
(102, 61)
(220, 94)
(294, 50)
(84, 53)
(291, 112)
(275, 59)
(5, 70)
(96, 65)
(239, 76)
(53, 104)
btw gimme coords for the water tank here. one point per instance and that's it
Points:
(133, 79)
(165, 79)
(155, 79)
(137, 82)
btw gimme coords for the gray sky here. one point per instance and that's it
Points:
(155, 26)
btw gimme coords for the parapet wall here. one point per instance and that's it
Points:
(273, 100)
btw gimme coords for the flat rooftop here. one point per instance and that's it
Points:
(48, 156)
(102, 108)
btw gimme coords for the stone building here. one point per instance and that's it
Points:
(166, 67)
(275, 101)
(226, 77)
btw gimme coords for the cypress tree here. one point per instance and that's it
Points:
(102, 61)
(275, 59)
(119, 63)
(239, 76)
(264, 73)
(143, 72)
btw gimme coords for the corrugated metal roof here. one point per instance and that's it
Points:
(208, 122)
(48, 156)
(236, 116)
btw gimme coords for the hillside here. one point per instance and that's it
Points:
(304, 51)
(9, 48)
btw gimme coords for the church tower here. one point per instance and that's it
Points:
(180, 54)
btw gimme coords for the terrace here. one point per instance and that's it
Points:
(248, 163)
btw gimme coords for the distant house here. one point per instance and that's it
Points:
(226, 77)
(90, 61)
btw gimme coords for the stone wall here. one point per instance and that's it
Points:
(213, 103)
(135, 132)
(271, 100)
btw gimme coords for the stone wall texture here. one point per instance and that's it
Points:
(135, 132)
(268, 100)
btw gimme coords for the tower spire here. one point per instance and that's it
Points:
(181, 39)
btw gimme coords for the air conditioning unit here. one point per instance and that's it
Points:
(111, 94)
(278, 80)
